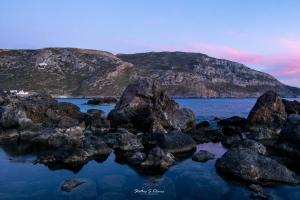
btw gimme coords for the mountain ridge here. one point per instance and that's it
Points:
(86, 72)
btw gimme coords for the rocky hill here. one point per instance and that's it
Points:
(82, 72)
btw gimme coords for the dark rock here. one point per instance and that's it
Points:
(9, 118)
(76, 156)
(217, 119)
(97, 121)
(291, 107)
(267, 116)
(203, 156)
(10, 135)
(103, 101)
(229, 141)
(14, 118)
(233, 125)
(204, 135)
(233, 121)
(173, 142)
(204, 124)
(59, 112)
(291, 130)
(96, 113)
(53, 139)
(256, 188)
(250, 144)
(129, 142)
(247, 165)
(36, 106)
(69, 185)
(67, 122)
(145, 107)
(137, 158)
(2, 101)
(158, 159)
(288, 144)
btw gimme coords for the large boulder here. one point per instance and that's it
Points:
(267, 117)
(248, 165)
(250, 144)
(145, 107)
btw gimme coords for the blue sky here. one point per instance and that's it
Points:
(263, 34)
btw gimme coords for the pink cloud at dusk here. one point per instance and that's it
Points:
(283, 64)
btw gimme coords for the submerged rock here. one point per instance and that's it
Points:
(247, 165)
(145, 107)
(267, 117)
(69, 185)
(203, 156)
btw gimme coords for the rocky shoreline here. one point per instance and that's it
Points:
(148, 131)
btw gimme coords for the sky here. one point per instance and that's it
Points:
(262, 34)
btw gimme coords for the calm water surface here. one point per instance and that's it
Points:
(20, 179)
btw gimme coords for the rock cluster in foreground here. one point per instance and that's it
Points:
(64, 137)
(148, 131)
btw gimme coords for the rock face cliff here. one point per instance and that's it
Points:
(82, 72)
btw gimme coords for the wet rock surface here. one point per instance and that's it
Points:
(247, 165)
(250, 144)
(173, 142)
(203, 156)
(158, 159)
